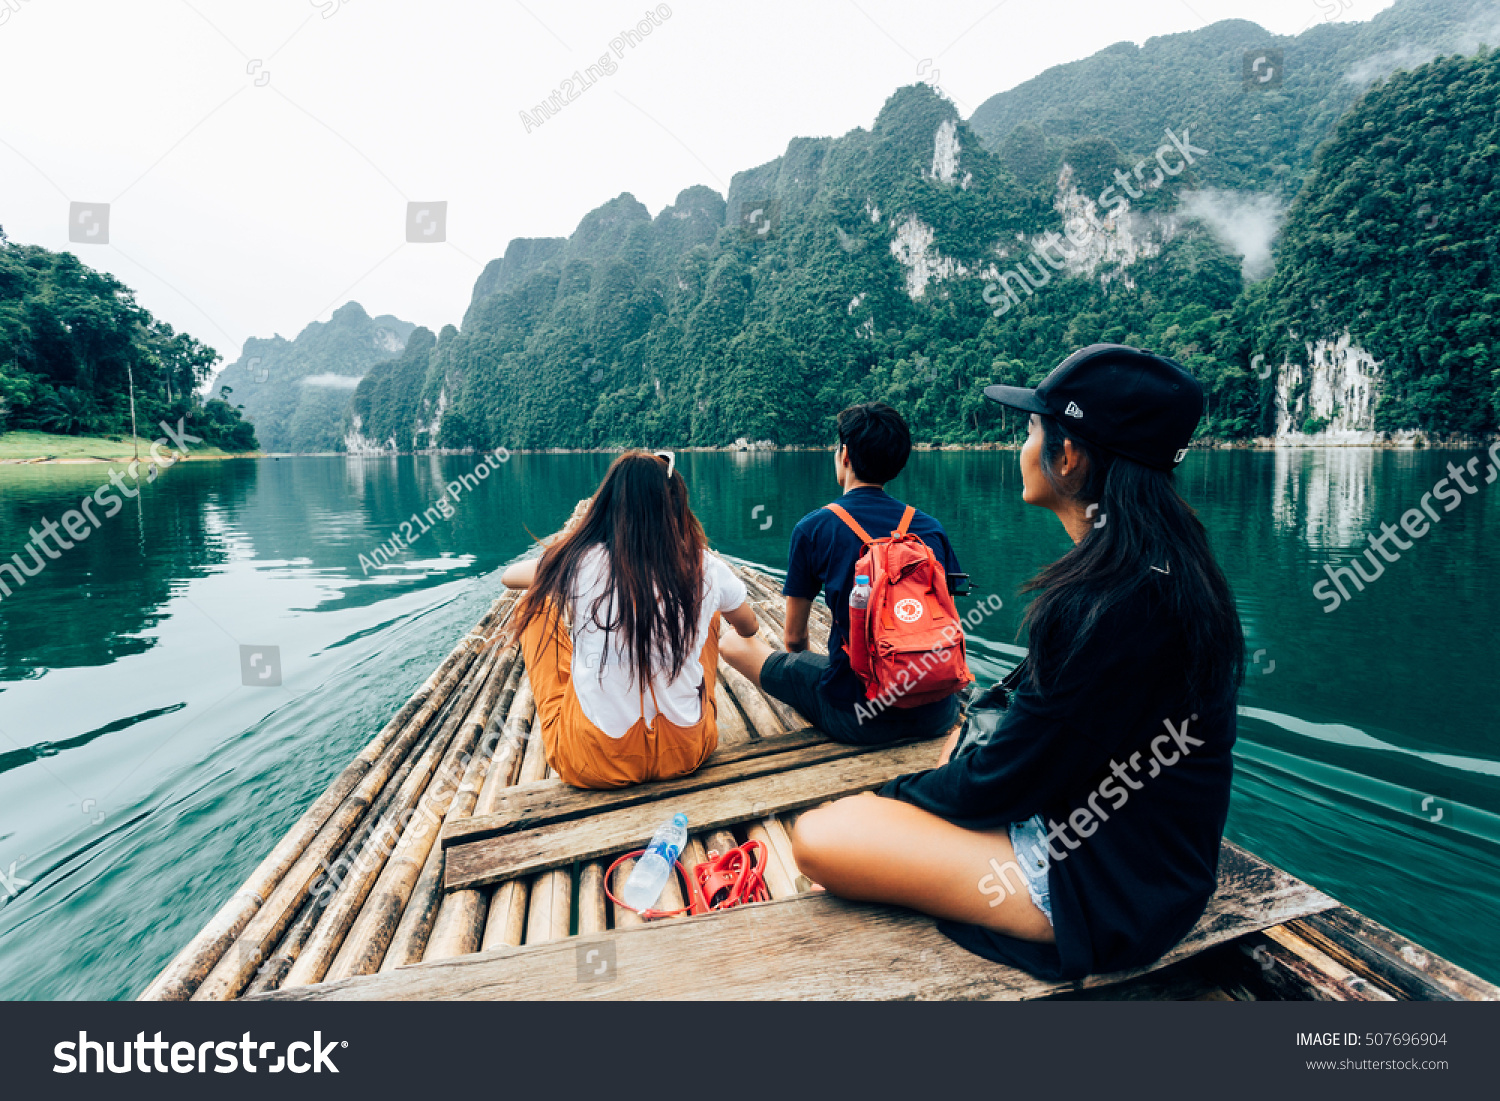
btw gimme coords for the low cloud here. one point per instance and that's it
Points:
(1243, 221)
(1483, 30)
(332, 381)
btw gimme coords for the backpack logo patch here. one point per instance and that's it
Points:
(909, 610)
(1073, 411)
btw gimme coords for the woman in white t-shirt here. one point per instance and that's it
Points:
(620, 631)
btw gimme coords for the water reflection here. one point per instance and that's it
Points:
(1324, 495)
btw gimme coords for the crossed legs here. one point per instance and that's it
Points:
(883, 850)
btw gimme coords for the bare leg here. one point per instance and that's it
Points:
(882, 850)
(744, 655)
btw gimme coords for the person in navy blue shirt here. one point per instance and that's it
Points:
(874, 443)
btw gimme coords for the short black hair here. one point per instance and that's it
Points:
(878, 440)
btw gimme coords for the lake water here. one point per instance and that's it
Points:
(146, 766)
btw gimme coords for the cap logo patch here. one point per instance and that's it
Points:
(1073, 411)
(1181, 455)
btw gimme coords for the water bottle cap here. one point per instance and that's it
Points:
(679, 819)
(862, 579)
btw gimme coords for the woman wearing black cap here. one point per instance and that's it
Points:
(1078, 830)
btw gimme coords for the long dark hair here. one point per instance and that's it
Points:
(1143, 533)
(654, 545)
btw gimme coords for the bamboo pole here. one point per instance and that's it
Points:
(773, 603)
(260, 933)
(534, 763)
(272, 973)
(186, 972)
(375, 926)
(624, 918)
(549, 915)
(780, 881)
(592, 907)
(506, 924)
(731, 723)
(413, 818)
(414, 930)
(778, 827)
(550, 894)
(459, 927)
(506, 763)
(759, 718)
(719, 842)
(693, 854)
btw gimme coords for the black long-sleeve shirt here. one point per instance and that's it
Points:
(1102, 748)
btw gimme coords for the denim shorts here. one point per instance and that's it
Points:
(1029, 839)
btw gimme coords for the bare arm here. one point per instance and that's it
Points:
(743, 620)
(949, 746)
(520, 575)
(798, 609)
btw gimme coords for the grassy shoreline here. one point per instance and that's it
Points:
(48, 447)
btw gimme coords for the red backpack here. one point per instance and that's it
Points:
(909, 643)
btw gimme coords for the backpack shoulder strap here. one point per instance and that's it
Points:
(843, 514)
(906, 518)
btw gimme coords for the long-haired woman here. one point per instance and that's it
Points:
(1078, 830)
(620, 630)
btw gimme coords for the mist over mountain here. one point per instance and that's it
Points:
(295, 391)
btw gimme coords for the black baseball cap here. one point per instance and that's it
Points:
(1137, 404)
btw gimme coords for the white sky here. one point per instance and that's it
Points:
(241, 209)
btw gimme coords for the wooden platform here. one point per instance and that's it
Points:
(447, 862)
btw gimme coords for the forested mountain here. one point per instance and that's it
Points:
(70, 340)
(1262, 136)
(913, 264)
(295, 391)
(1394, 242)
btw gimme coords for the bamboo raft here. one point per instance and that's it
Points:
(447, 861)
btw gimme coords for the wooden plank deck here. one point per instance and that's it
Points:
(544, 802)
(811, 946)
(480, 863)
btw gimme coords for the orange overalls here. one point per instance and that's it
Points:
(584, 755)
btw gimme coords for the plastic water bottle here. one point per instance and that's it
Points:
(649, 877)
(858, 646)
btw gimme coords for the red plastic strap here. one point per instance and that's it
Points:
(736, 879)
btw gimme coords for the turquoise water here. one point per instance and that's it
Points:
(142, 777)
